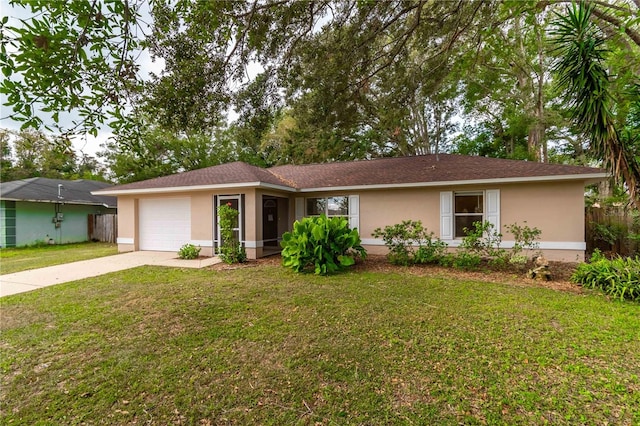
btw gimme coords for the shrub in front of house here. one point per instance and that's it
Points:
(231, 250)
(482, 242)
(618, 277)
(325, 245)
(525, 243)
(189, 251)
(410, 243)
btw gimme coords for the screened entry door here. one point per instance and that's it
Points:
(234, 202)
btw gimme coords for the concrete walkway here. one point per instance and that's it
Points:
(19, 282)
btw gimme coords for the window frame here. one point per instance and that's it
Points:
(326, 206)
(456, 215)
(352, 204)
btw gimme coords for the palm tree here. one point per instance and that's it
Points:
(584, 80)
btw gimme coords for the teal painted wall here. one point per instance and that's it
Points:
(34, 223)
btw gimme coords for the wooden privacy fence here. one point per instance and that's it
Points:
(612, 229)
(103, 227)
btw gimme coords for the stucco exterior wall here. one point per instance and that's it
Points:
(381, 208)
(555, 208)
(127, 223)
(202, 221)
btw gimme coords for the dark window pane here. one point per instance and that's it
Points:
(469, 203)
(316, 206)
(465, 222)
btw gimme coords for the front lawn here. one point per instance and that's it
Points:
(263, 345)
(24, 258)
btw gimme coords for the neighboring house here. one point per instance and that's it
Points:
(446, 192)
(41, 210)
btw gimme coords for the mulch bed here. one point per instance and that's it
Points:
(561, 272)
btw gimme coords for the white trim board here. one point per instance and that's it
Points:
(202, 243)
(494, 181)
(544, 245)
(253, 244)
(124, 240)
(580, 177)
(193, 188)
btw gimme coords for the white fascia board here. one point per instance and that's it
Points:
(202, 243)
(544, 245)
(592, 177)
(172, 189)
(278, 187)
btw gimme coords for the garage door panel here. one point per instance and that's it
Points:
(164, 223)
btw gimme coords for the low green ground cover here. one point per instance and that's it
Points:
(618, 277)
(264, 345)
(24, 258)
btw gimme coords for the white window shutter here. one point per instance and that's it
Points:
(492, 208)
(446, 215)
(299, 208)
(354, 211)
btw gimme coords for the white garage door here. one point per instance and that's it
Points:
(164, 223)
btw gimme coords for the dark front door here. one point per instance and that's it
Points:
(270, 221)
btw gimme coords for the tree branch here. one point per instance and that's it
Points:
(633, 35)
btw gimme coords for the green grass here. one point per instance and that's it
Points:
(24, 258)
(264, 345)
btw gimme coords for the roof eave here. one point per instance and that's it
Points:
(194, 188)
(587, 178)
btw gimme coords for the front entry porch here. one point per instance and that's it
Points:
(275, 220)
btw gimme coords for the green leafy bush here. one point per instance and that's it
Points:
(326, 245)
(482, 241)
(525, 241)
(410, 243)
(231, 250)
(189, 251)
(466, 260)
(525, 237)
(609, 233)
(618, 277)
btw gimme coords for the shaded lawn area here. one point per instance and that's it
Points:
(263, 345)
(24, 258)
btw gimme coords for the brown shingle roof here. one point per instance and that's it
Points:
(420, 169)
(230, 173)
(384, 171)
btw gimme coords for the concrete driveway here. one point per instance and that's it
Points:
(20, 282)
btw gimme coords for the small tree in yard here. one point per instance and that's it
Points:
(231, 251)
(326, 245)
